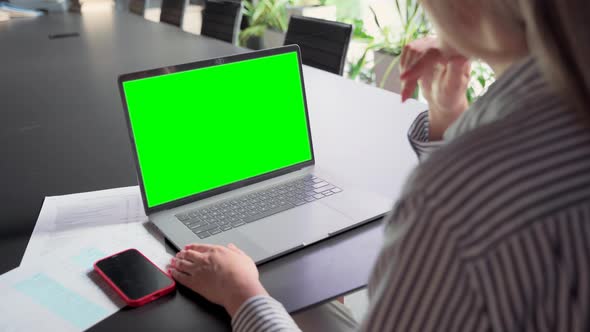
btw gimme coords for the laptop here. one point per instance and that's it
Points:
(224, 154)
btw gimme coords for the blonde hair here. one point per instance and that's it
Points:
(555, 32)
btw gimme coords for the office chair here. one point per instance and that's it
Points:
(173, 12)
(137, 6)
(323, 43)
(222, 20)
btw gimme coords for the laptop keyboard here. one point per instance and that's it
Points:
(223, 216)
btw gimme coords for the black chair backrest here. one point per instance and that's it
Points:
(173, 12)
(222, 20)
(323, 43)
(137, 7)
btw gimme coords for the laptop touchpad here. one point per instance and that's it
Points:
(289, 229)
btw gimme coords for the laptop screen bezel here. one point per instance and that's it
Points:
(202, 64)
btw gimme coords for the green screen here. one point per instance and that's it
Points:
(205, 128)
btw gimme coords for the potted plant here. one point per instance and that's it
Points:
(390, 44)
(358, 68)
(387, 48)
(379, 62)
(266, 18)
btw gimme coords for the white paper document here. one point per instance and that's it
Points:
(110, 219)
(55, 288)
(64, 294)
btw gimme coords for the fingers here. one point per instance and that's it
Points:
(187, 260)
(457, 75)
(236, 249)
(181, 277)
(199, 247)
(182, 265)
(413, 50)
(423, 64)
(408, 89)
(459, 66)
(193, 256)
(433, 66)
(403, 61)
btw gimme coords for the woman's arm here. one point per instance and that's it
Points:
(228, 277)
(420, 282)
(263, 313)
(419, 138)
(443, 77)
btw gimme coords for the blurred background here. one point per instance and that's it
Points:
(380, 30)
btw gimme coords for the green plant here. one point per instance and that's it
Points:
(414, 25)
(358, 68)
(358, 29)
(269, 14)
(265, 14)
(481, 78)
(308, 2)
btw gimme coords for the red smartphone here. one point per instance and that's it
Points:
(134, 277)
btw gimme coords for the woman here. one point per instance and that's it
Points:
(492, 231)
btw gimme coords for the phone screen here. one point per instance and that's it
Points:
(134, 274)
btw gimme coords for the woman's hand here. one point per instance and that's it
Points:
(443, 76)
(223, 275)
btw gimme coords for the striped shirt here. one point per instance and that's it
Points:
(492, 231)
